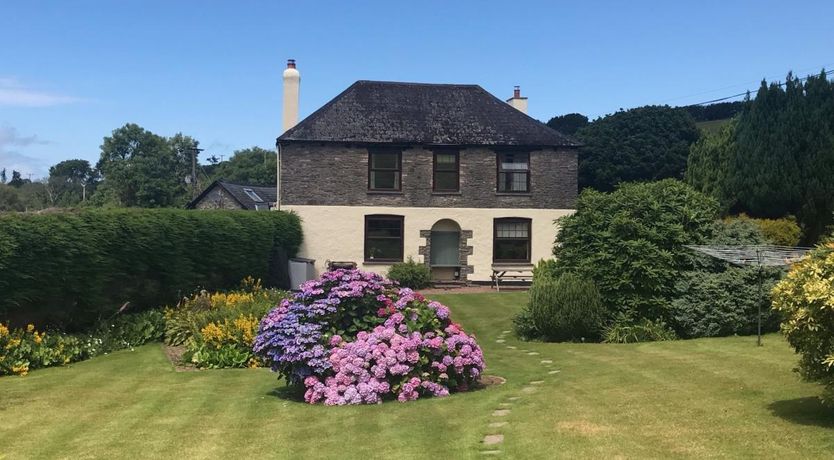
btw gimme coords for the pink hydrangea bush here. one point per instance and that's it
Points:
(354, 338)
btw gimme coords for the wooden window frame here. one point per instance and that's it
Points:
(454, 152)
(495, 239)
(498, 172)
(399, 170)
(401, 220)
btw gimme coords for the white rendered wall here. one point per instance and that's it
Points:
(337, 232)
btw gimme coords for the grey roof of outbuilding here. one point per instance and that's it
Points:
(421, 113)
(268, 194)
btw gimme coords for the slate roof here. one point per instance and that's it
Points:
(269, 195)
(421, 113)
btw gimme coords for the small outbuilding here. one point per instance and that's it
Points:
(226, 195)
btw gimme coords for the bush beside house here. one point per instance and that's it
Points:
(631, 244)
(410, 274)
(72, 268)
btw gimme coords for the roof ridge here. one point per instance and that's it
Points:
(417, 83)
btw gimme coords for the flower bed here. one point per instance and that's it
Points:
(352, 337)
(217, 329)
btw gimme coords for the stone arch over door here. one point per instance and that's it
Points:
(447, 251)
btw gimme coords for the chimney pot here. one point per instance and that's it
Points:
(516, 91)
(290, 63)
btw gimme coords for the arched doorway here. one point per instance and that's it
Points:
(444, 256)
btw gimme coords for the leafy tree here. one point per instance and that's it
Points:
(777, 159)
(630, 243)
(10, 199)
(3, 176)
(568, 124)
(643, 144)
(17, 180)
(143, 169)
(252, 166)
(708, 165)
(69, 180)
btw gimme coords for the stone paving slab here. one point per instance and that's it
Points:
(493, 439)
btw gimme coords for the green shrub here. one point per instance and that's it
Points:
(625, 330)
(630, 242)
(566, 308)
(410, 274)
(781, 232)
(724, 303)
(524, 326)
(806, 299)
(73, 268)
(545, 268)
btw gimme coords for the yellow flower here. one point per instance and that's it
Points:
(248, 326)
(4, 331)
(21, 370)
(13, 343)
(30, 328)
(213, 333)
(38, 338)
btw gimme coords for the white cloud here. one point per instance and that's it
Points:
(12, 159)
(15, 94)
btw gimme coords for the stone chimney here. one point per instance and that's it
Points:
(517, 101)
(292, 82)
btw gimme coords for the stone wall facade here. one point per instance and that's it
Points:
(324, 174)
(217, 198)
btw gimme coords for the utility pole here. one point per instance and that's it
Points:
(194, 152)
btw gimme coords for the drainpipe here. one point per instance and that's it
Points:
(278, 176)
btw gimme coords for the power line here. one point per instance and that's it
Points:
(748, 91)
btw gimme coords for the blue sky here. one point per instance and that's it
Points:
(71, 72)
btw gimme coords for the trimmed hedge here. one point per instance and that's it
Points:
(72, 268)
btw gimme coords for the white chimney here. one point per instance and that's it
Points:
(517, 101)
(292, 81)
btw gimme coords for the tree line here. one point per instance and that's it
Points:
(136, 168)
(773, 158)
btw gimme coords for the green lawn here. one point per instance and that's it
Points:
(697, 398)
(712, 126)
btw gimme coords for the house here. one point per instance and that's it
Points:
(446, 174)
(225, 195)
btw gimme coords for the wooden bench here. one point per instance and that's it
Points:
(523, 272)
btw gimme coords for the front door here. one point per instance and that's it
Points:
(445, 254)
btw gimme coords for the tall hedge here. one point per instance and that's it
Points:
(71, 268)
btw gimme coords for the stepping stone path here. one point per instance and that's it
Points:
(504, 409)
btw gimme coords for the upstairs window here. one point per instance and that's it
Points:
(511, 241)
(513, 172)
(254, 196)
(446, 171)
(384, 169)
(383, 238)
